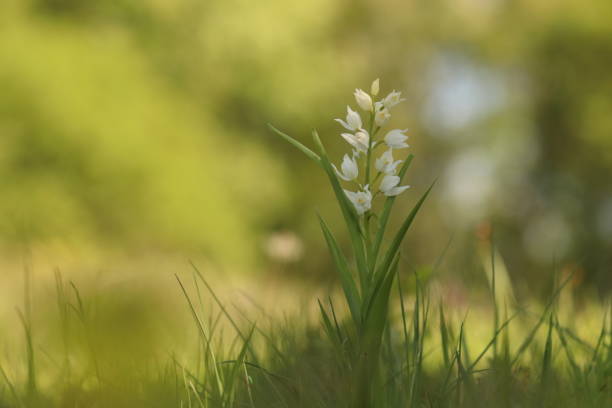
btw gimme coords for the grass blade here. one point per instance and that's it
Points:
(444, 337)
(534, 330)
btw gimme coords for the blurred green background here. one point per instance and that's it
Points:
(140, 127)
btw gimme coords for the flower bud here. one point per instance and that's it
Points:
(363, 100)
(375, 87)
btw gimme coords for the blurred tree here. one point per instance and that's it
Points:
(144, 122)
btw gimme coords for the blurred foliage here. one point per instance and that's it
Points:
(142, 124)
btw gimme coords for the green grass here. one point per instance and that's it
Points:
(427, 359)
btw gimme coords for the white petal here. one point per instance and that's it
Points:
(396, 191)
(396, 138)
(389, 182)
(350, 139)
(353, 119)
(393, 167)
(393, 99)
(350, 170)
(381, 117)
(350, 195)
(344, 124)
(339, 174)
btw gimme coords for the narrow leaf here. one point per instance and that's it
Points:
(348, 211)
(399, 237)
(375, 315)
(346, 279)
(312, 155)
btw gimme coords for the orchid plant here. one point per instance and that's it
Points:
(371, 170)
(364, 144)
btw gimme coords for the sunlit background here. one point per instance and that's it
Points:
(133, 138)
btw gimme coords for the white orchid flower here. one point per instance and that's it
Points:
(363, 100)
(360, 140)
(349, 167)
(389, 186)
(353, 120)
(392, 99)
(396, 139)
(362, 200)
(381, 117)
(385, 163)
(375, 88)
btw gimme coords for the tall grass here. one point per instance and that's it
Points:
(428, 357)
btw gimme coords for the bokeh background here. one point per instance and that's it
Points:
(137, 130)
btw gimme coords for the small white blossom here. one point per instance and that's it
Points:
(353, 120)
(375, 87)
(393, 99)
(396, 139)
(349, 167)
(360, 140)
(362, 200)
(389, 186)
(381, 117)
(385, 163)
(363, 100)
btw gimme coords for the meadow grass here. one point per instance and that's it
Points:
(243, 359)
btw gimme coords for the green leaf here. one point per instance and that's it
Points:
(297, 144)
(348, 211)
(384, 217)
(399, 237)
(375, 314)
(348, 283)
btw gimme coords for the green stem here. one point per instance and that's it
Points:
(376, 179)
(369, 153)
(384, 217)
(371, 134)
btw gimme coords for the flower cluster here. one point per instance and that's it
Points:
(364, 143)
